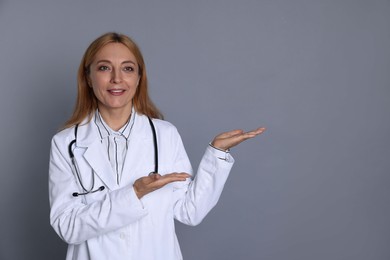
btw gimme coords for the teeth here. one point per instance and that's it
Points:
(116, 91)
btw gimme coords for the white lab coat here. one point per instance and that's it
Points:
(114, 223)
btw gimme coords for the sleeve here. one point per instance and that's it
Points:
(75, 221)
(195, 198)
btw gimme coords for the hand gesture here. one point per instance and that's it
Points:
(229, 139)
(147, 184)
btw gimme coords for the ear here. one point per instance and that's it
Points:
(88, 78)
(89, 81)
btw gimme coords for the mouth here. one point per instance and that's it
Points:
(116, 92)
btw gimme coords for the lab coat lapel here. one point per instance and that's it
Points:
(138, 147)
(89, 138)
(96, 158)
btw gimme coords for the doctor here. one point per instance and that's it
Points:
(119, 175)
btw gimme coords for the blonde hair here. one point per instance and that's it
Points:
(86, 101)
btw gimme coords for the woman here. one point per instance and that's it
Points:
(104, 203)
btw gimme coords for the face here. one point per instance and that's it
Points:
(114, 78)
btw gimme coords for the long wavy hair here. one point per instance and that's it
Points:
(86, 102)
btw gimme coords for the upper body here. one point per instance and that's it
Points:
(132, 215)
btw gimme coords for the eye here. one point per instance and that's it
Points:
(103, 68)
(128, 68)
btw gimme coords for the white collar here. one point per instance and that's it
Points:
(104, 130)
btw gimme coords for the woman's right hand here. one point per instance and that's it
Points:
(147, 184)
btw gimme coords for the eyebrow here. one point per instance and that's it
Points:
(123, 62)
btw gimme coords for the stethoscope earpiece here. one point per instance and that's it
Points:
(76, 194)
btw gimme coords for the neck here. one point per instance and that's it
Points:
(115, 118)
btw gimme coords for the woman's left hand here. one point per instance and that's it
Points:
(230, 139)
(152, 182)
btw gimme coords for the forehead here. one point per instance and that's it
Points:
(115, 52)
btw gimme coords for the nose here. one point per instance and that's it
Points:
(116, 76)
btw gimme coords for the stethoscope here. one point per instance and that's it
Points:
(101, 188)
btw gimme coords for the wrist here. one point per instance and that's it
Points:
(212, 144)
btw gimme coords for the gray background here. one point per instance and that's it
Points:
(314, 72)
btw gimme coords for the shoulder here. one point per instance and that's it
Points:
(68, 134)
(165, 125)
(63, 137)
(64, 133)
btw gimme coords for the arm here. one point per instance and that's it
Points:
(196, 200)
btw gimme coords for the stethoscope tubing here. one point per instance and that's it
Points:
(101, 188)
(155, 146)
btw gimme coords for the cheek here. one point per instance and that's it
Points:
(96, 83)
(97, 88)
(130, 79)
(132, 83)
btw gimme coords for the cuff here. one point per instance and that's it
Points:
(220, 154)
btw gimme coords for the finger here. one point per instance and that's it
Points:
(241, 132)
(230, 133)
(176, 176)
(253, 133)
(156, 181)
(235, 140)
(249, 135)
(183, 174)
(164, 181)
(256, 131)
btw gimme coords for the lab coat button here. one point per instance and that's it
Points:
(122, 235)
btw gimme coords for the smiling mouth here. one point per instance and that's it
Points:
(116, 91)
